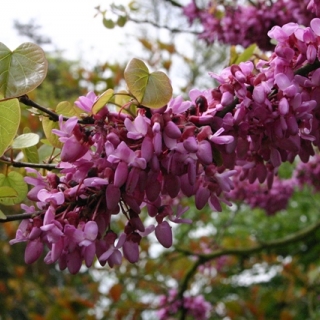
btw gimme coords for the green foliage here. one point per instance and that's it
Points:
(102, 100)
(15, 181)
(290, 287)
(25, 141)
(21, 70)
(152, 90)
(9, 122)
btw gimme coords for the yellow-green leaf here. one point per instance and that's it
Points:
(102, 100)
(68, 110)
(30, 153)
(7, 192)
(246, 54)
(2, 216)
(25, 140)
(15, 181)
(152, 90)
(9, 122)
(47, 126)
(108, 23)
(47, 152)
(21, 70)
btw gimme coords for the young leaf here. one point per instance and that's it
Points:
(68, 110)
(9, 122)
(47, 126)
(25, 140)
(21, 70)
(15, 181)
(108, 23)
(152, 90)
(102, 100)
(246, 54)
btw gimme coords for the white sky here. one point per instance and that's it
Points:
(69, 23)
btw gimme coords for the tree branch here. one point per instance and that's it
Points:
(28, 102)
(174, 3)
(52, 115)
(241, 252)
(21, 216)
(173, 30)
(18, 164)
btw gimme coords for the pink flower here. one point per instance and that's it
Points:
(86, 102)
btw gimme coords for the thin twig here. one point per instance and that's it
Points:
(173, 30)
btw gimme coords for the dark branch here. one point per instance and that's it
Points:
(21, 216)
(28, 102)
(18, 164)
(175, 3)
(173, 30)
(242, 252)
(52, 115)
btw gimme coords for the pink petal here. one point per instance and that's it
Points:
(163, 233)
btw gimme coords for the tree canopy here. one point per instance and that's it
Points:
(138, 202)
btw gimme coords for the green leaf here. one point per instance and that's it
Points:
(122, 21)
(2, 216)
(9, 122)
(21, 70)
(15, 181)
(47, 126)
(68, 110)
(152, 90)
(108, 23)
(31, 153)
(7, 192)
(25, 140)
(46, 152)
(102, 100)
(246, 54)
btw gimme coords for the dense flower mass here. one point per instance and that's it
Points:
(246, 24)
(258, 195)
(309, 173)
(116, 164)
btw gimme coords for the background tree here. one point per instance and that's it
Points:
(212, 269)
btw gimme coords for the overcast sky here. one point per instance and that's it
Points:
(69, 23)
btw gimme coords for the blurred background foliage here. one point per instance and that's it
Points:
(281, 283)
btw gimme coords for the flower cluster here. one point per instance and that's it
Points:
(114, 164)
(258, 195)
(197, 307)
(309, 173)
(247, 24)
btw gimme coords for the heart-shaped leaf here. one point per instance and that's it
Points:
(9, 122)
(15, 181)
(152, 90)
(102, 100)
(21, 70)
(25, 140)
